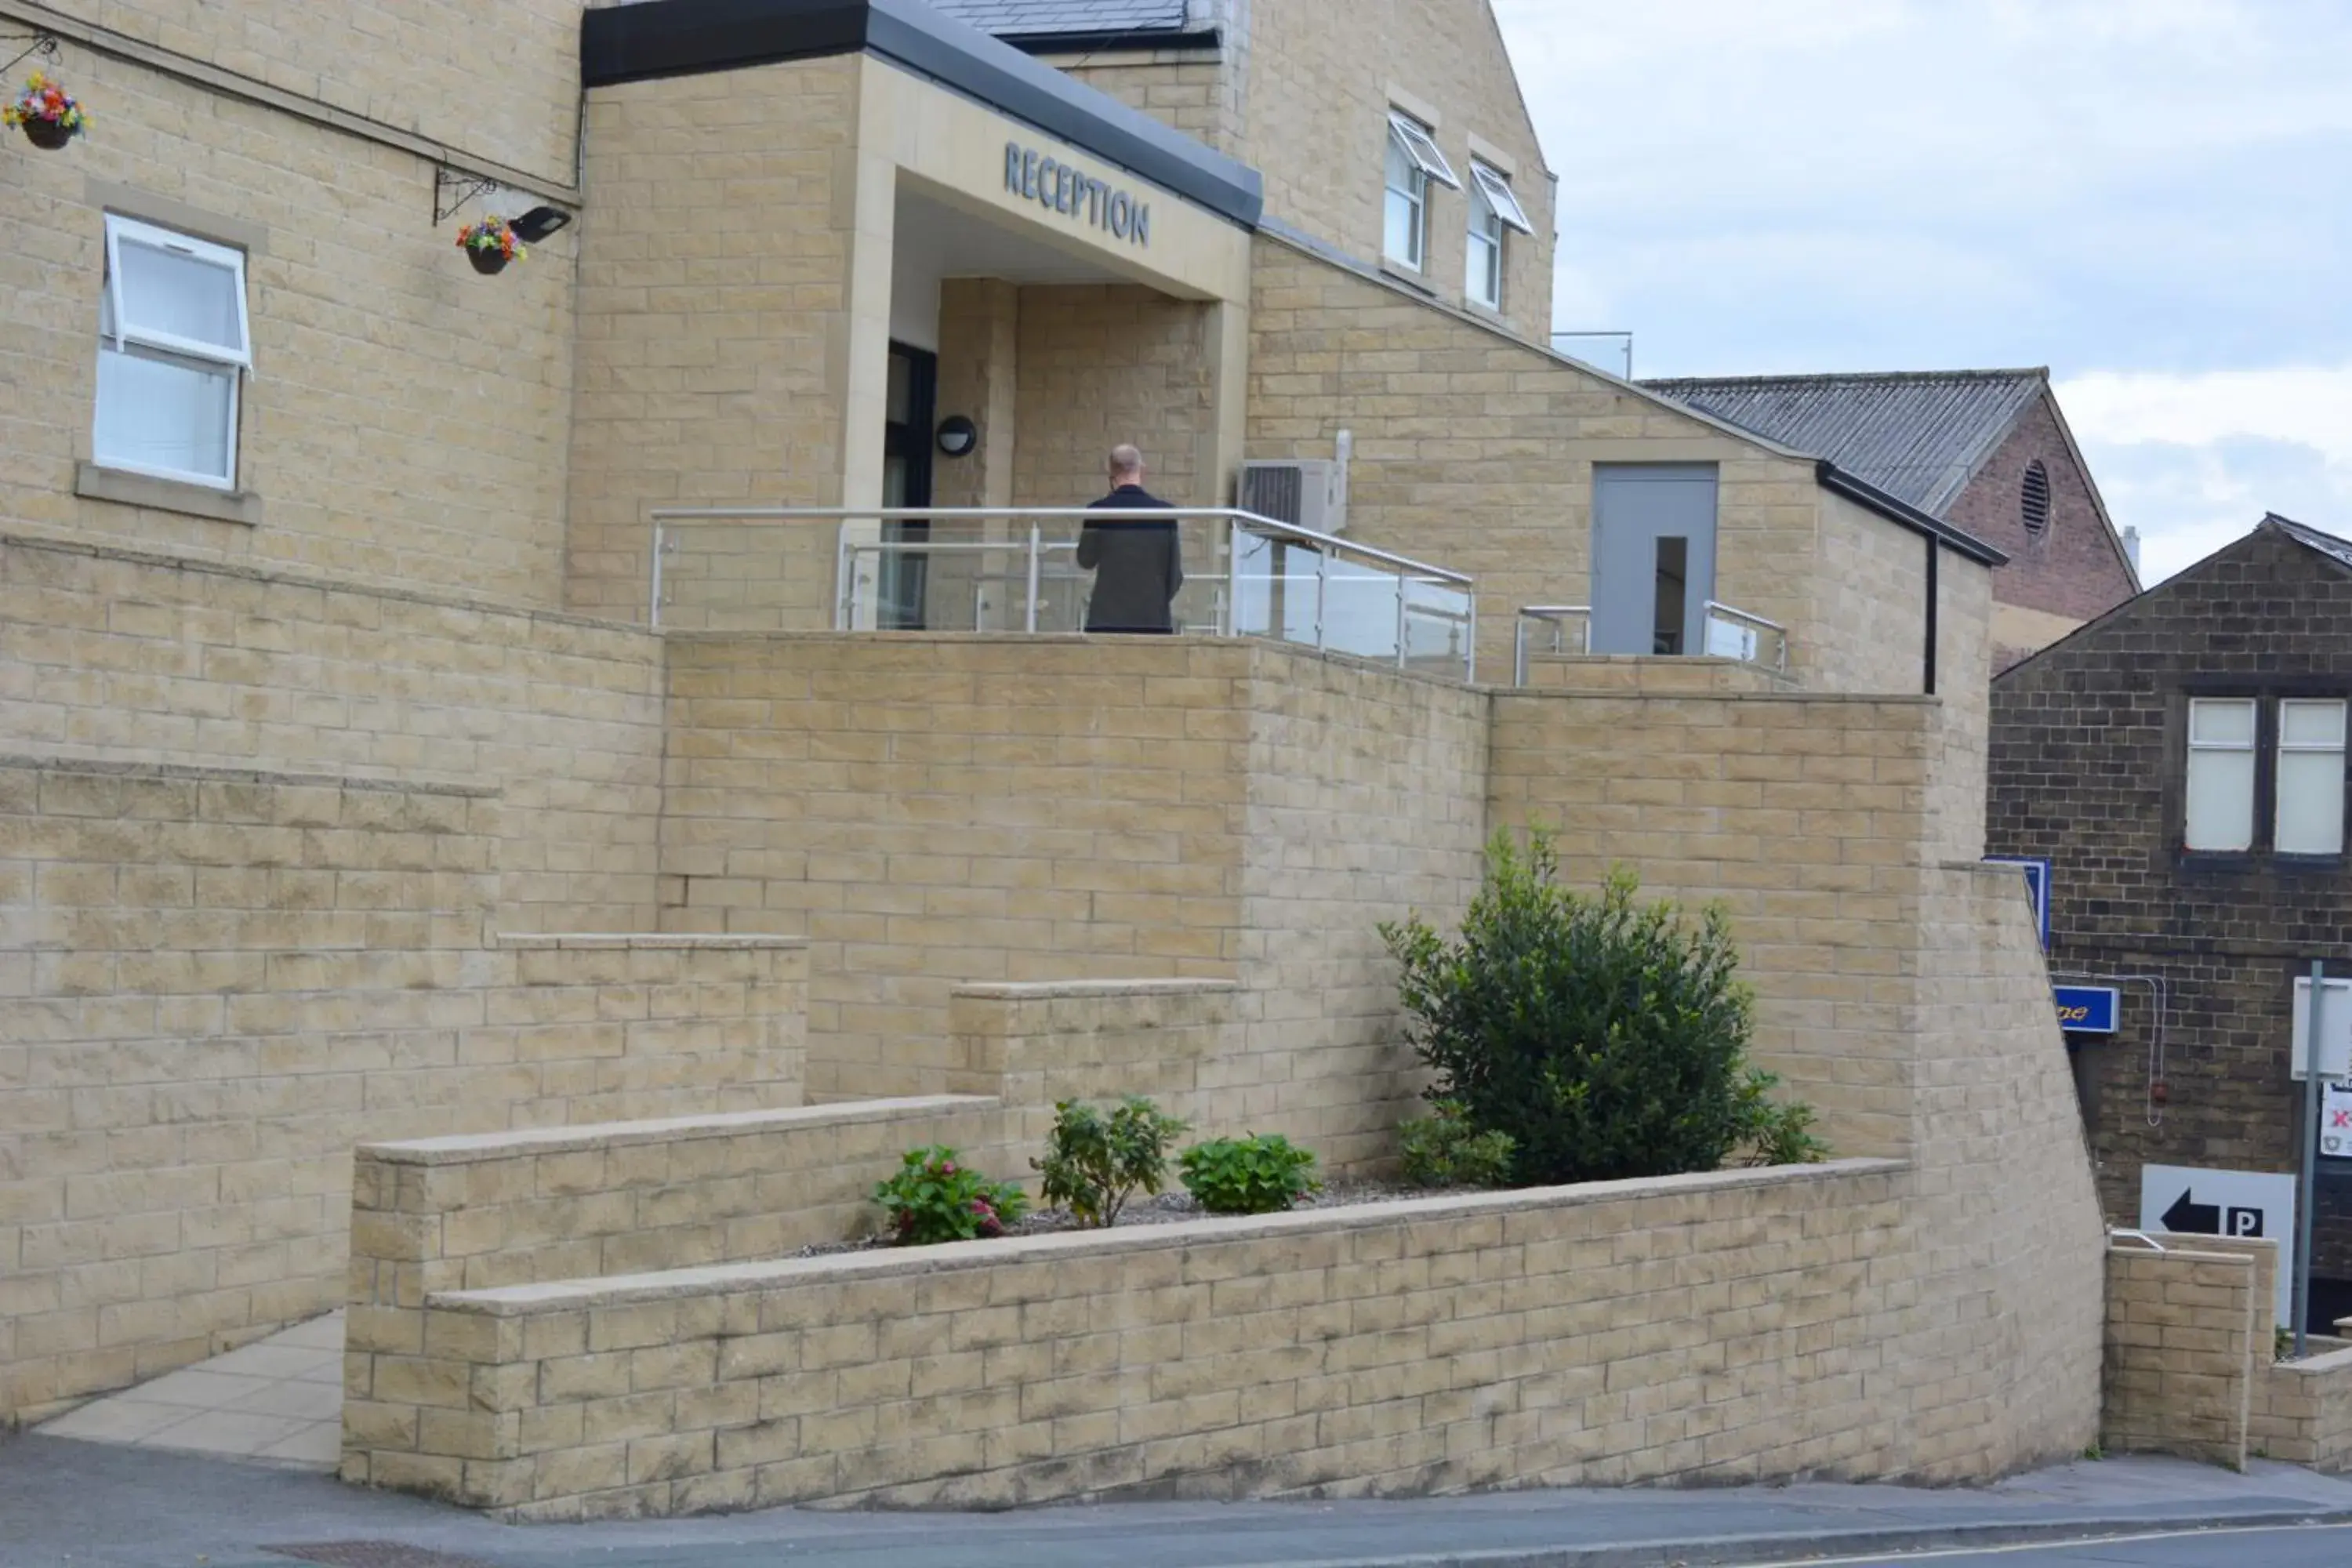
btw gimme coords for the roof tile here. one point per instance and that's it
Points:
(1035, 18)
(1918, 436)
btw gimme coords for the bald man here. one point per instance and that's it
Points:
(1138, 566)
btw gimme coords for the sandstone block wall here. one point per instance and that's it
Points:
(425, 63)
(713, 356)
(1474, 451)
(1720, 1327)
(1197, 92)
(405, 423)
(1315, 101)
(1069, 810)
(129, 657)
(2180, 1354)
(1057, 810)
(1181, 1043)
(217, 981)
(1802, 815)
(2298, 1411)
(1096, 364)
(618, 1199)
(1905, 999)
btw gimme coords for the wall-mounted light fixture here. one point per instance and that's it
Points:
(958, 434)
(539, 222)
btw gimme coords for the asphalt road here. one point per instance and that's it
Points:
(68, 1504)
(2322, 1546)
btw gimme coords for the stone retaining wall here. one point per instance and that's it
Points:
(2180, 1353)
(1735, 1326)
(2299, 1412)
(558, 1204)
(214, 982)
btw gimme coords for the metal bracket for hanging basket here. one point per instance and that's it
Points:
(451, 191)
(42, 44)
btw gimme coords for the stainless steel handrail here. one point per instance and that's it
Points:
(1404, 571)
(1002, 514)
(1753, 620)
(1734, 612)
(1557, 615)
(1560, 614)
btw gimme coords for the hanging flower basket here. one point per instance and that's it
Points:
(489, 245)
(47, 113)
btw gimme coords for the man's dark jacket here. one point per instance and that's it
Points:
(1138, 566)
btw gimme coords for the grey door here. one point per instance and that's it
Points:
(1652, 556)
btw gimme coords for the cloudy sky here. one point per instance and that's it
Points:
(2152, 197)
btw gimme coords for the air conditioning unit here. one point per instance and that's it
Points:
(1311, 492)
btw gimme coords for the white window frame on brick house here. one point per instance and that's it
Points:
(1414, 160)
(176, 343)
(2309, 812)
(2219, 816)
(1494, 208)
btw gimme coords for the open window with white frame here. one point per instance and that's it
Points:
(1413, 162)
(1494, 210)
(175, 345)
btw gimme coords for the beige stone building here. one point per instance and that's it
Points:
(693, 589)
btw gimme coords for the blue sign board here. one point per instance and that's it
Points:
(2037, 887)
(2088, 1009)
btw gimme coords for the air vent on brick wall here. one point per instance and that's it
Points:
(2033, 500)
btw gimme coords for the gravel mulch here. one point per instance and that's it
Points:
(1168, 1208)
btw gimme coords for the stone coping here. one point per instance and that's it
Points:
(463, 1149)
(650, 941)
(1636, 694)
(681, 1284)
(184, 773)
(1043, 990)
(2317, 1365)
(327, 581)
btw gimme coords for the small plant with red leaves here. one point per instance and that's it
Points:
(936, 1197)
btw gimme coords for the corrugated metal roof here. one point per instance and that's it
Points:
(1917, 434)
(2325, 544)
(1062, 18)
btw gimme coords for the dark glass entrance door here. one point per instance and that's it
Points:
(907, 482)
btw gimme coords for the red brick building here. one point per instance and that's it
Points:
(1985, 451)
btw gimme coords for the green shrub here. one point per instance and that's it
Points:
(1256, 1175)
(1444, 1150)
(1776, 1133)
(1608, 1038)
(1094, 1162)
(936, 1197)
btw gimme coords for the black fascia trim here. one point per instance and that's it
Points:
(654, 38)
(1837, 480)
(1084, 43)
(1934, 555)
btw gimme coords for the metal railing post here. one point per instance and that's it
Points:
(1520, 652)
(1232, 607)
(1401, 583)
(1470, 674)
(1036, 540)
(659, 538)
(844, 617)
(1322, 576)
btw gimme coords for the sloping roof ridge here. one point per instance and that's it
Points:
(2329, 544)
(1824, 378)
(2313, 538)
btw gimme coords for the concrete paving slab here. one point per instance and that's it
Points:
(269, 1400)
(293, 1397)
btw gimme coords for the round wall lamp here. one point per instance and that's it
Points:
(958, 434)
